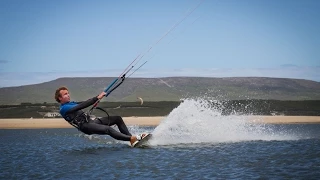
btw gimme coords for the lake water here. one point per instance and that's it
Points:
(193, 142)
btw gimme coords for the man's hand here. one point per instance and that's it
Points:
(101, 95)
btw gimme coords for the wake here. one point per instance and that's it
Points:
(199, 121)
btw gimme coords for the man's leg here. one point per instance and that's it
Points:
(95, 128)
(112, 120)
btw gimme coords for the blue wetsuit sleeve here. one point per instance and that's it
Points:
(82, 105)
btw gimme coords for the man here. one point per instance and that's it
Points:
(72, 113)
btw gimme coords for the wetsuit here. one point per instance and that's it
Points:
(72, 112)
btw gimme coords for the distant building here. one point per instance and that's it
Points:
(52, 114)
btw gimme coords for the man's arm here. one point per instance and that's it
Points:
(83, 105)
(86, 103)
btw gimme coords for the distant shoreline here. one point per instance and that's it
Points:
(146, 121)
(25, 123)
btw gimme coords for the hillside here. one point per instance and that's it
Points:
(168, 89)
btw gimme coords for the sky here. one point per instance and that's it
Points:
(42, 40)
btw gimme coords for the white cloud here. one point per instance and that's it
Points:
(286, 71)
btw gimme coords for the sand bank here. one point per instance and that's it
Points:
(61, 123)
(144, 121)
(285, 119)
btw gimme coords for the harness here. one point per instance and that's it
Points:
(78, 121)
(85, 117)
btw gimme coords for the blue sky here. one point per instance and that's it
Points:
(41, 40)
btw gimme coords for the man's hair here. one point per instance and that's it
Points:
(57, 94)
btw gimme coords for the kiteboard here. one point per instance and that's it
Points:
(143, 142)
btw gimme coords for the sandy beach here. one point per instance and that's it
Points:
(61, 123)
(143, 121)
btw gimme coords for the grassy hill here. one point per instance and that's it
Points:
(167, 89)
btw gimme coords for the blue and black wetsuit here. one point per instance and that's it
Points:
(72, 112)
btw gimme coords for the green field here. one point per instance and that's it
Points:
(163, 108)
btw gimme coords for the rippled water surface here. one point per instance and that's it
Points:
(193, 142)
(67, 154)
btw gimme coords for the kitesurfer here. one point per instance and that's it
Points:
(73, 113)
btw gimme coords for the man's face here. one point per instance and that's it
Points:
(64, 96)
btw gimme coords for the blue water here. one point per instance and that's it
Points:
(67, 154)
(193, 142)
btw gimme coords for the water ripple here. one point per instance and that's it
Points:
(67, 154)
